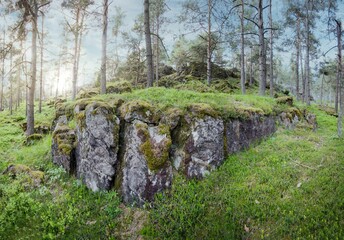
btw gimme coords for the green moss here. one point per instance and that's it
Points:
(87, 93)
(156, 158)
(200, 110)
(285, 100)
(119, 87)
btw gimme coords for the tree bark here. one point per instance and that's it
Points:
(262, 51)
(242, 41)
(41, 75)
(149, 54)
(31, 100)
(298, 50)
(2, 76)
(271, 53)
(307, 67)
(339, 78)
(157, 57)
(104, 45)
(209, 53)
(11, 84)
(75, 60)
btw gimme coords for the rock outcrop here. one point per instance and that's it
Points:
(136, 149)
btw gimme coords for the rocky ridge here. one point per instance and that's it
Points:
(135, 148)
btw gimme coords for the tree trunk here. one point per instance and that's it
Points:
(149, 54)
(271, 53)
(251, 68)
(41, 75)
(75, 60)
(307, 67)
(209, 53)
(298, 50)
(104, 45)
(2, 76)
(31, 100)
(262, 51)
(322, 90)
(242, 43)
(11, 84)
(339, 78)
(157, 48)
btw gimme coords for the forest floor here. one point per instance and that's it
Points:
(287, 187)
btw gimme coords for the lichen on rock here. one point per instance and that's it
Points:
(146, 169)
(97, 146)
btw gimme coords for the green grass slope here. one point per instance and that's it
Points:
(288, 187)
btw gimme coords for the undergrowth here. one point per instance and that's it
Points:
(288, 187)
(58, 208)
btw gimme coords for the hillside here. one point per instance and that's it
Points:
(288, 186)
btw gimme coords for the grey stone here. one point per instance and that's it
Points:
(96, 152)
(140, 183)
(203, 149)
(240, 134)
(63, 148)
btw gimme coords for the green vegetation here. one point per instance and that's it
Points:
(288, 187)
(39, 200)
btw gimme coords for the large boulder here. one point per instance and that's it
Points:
(96, 152)
(146, 167)
(198, 142)
(63, 148)
(241, 133)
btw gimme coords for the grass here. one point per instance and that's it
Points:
(227, 105)
(60, 207)
(288, 187)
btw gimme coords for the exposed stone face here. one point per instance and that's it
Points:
(240, 134)
(203, 149)
(63, 144)
(195, 140)
(96, 152)
(311, 120)
(288, 120)
(146, 169)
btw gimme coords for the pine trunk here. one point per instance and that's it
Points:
(242, 78)
(31, 98)
(209, 44)
(104, 45)
(262, 52)
(149, 54)
(339, 78)
(41, 75)
(271, 53)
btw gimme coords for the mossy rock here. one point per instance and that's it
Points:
(288, 100)
(32, 139)
(87, 93)
(246, 112)
(171, 80)
(329, 110)
(156, 153)
(28, 176)
(200, 110)
(65, 139)
(119, 87)
(139, 109)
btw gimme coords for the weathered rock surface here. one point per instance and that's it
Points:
(146, 168)
(133, 147)
(240, 134)
(200, 150)
(97, 146)
(63, 145)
